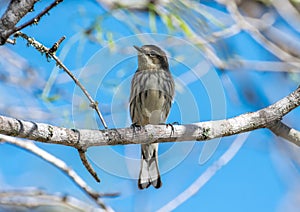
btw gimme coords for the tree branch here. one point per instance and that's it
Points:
(202, 131)
(206, 175)
(13, 14)
(288, 12)
(256, 34)
(36, 19)
(286, 132)
(33, 198)
(31, 147)
(50, 53)
(87, 165)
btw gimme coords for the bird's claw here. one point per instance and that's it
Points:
(172, 127)
(135, 126)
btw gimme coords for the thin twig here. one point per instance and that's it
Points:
(88, 165)
(56, 45)
(256, 34)
(93, 104)
(206, 175)
(37, 18)
(32, 198)
(286, 132)
(195, 38)
(31, 147)
(10, 41)
(14, 11)
(49, 53)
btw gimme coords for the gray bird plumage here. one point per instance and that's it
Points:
(151, 96)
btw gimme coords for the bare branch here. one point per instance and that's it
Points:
(36, 19)
(206, 175)
(195, 38)
(88, 165)
(56, 45)
(31, 147)
(13, 14)
(202, 131)
(288, 12)
(256, 34)
(286, 132)
(32, 198)
(51, 53)
(260, 65)
(93, 103)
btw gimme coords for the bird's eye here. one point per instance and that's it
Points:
(152, 54)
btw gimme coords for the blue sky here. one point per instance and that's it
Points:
(259, 177)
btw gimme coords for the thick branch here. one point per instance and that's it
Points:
(14, 13)
(84, 138)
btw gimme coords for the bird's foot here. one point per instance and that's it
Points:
(135, 127)
(172, 127)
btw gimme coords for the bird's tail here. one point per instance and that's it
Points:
(149, 173)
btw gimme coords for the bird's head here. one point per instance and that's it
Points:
(151, 57)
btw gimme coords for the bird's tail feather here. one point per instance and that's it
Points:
(149, 173)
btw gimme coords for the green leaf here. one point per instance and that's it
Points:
(152, 18)
(184, 26)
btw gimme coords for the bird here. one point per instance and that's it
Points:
(151, 96)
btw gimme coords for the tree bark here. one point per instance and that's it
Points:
(15, 11)
(202, 131)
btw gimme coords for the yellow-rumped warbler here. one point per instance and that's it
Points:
(151, 96)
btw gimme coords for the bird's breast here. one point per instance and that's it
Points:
(160, 80)
(153, 91)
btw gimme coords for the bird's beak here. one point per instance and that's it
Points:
(138, 49)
